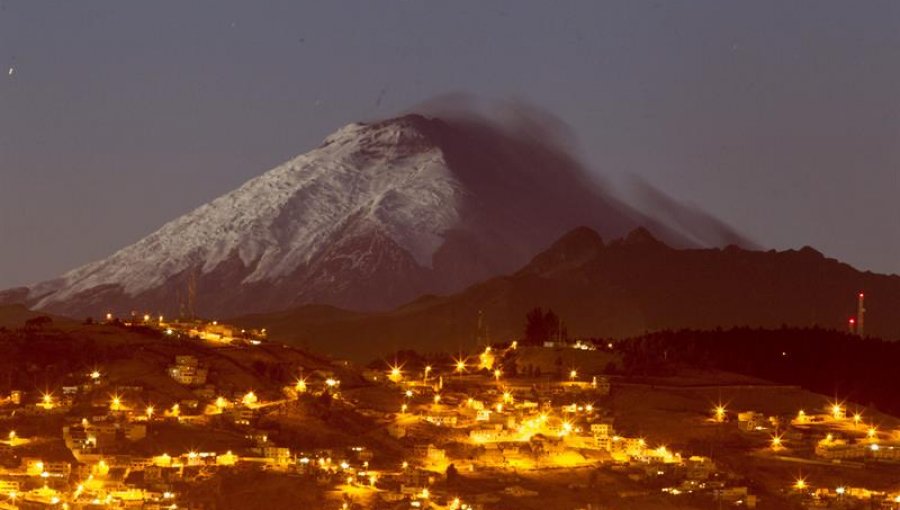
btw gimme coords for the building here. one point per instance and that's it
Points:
(601, 384)
(187, 371)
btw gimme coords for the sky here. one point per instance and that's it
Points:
(780, 118)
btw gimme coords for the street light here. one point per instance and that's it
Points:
(776, 442)
(395, 374)
(837, 411)
(719, 413)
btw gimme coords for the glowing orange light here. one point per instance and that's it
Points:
(837, 411)
(776, 442)
(719, 413)
(395, 373)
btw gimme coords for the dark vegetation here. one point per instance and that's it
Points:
(824, 361)
(543, 326)
(615, 289)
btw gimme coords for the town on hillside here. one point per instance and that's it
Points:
(505, 426)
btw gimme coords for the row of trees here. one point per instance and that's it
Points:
(825, 361)
(541, 326)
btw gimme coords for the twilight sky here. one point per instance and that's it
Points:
(780, 118)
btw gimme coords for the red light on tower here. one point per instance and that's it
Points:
(852, 325)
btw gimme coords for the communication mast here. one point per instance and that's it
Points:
(860, 314)
(481, 331)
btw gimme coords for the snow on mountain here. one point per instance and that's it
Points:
(387, 176)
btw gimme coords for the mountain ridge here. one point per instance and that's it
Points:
(617, 289)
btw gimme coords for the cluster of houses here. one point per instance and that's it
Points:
(188, 371)
(100, 468)
(832, 435)
(525, 423)
(213, 332)
(472, 417)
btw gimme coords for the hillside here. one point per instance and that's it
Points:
(617, 289)
(61, 353)
(823, 361)
(15, 316)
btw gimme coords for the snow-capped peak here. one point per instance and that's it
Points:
(385, 176)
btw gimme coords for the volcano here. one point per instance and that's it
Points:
(378, 214)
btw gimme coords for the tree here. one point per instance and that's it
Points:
(535, 327)
(552, 325)
(38, 322)
(541, 327)
(452, 475)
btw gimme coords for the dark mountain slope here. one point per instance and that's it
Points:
(624, 288)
